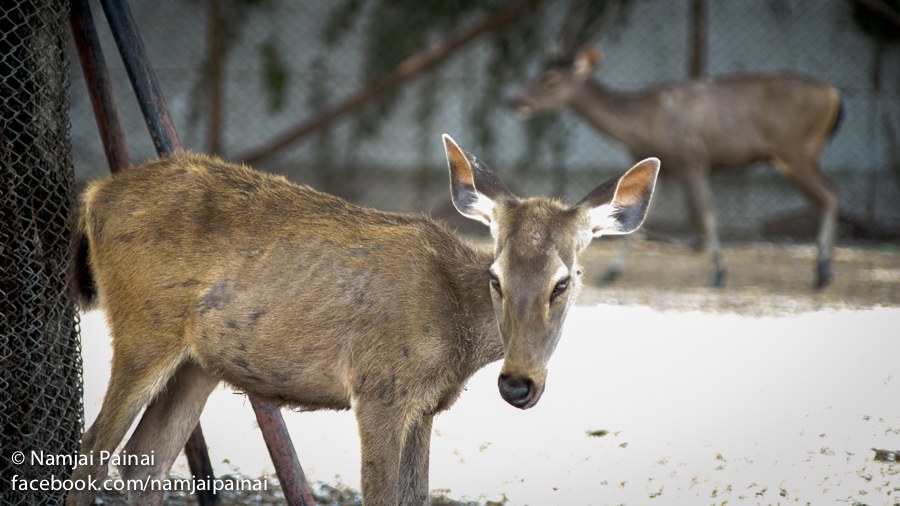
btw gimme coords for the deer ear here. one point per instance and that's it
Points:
(474, 187)
(587, 61)
(620, 205)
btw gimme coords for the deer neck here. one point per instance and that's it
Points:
(612, 112)
(478, 331)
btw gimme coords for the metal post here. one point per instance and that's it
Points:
(99, 86)
(281, 450)
(143, 79)
(112, 134)
(165, 139)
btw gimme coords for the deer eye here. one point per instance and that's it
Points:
(560, 287)
(550, 79)
(495, 284)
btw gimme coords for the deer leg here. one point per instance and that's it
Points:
(695, 220)
(414, 463)
(821, 193)
(380, 432)
(825, 240)
(699, 193)
(133, 383)
(165, 427)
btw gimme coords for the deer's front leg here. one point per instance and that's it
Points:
(380, 427)
(414, 463)
(700, 195)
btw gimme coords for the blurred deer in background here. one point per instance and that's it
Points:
(694, 126)
(213, 272)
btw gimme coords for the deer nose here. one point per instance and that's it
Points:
(516, 390)
(521, 106)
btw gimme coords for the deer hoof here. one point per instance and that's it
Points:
(719, 279)
(823, 276)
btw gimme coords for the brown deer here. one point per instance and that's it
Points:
(694, 126)
(210, 272)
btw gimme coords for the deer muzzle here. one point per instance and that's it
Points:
(522, 107)
(520, 391)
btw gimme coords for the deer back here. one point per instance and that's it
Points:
(281, 289)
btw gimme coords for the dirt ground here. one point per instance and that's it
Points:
(763, 278)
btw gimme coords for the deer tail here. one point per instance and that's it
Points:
(838, 118)
(81, 279)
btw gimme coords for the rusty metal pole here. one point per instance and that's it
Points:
(165, 140)
(281, 450)
(99, 86)
(149, 95)
(112, 135)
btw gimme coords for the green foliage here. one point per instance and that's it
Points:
(275, 74)
(396, 29)
(389, 31)
(393, 31)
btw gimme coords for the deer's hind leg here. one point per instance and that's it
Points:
(137, 377)
(822, 194)
(165, 427)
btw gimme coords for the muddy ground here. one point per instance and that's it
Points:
(763, 280)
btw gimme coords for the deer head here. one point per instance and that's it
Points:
(556, 85)
(572, 57)
(535, 274)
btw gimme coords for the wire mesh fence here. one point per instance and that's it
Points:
(239, 74)
(283, 62)
(40, 361)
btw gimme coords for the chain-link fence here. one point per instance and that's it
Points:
(40, 359)
(239, 74)
(282, 62)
